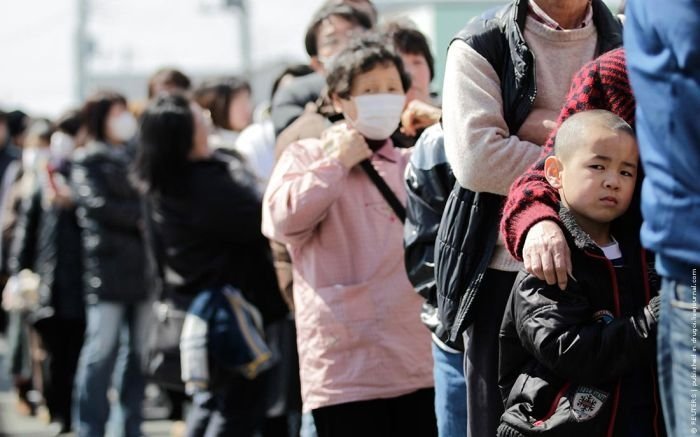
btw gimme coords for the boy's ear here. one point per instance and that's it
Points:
(552, 171)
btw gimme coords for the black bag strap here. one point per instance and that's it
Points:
(383, 188)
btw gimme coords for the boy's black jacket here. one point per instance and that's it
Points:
(563, 353)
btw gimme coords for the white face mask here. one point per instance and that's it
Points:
(123, 127)
(378, 115)
(62, 146)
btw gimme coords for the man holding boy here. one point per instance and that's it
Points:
(581, 362)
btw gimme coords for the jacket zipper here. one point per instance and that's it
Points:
(618, 312)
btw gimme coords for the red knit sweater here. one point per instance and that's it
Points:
(600, 84)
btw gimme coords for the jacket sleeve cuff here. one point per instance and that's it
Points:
(517, 230)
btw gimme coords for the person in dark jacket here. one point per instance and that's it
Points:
(206, 215)
(329, 32)
(506, 77)
(581, 362)
(429, 181)
(47, 241)
(109, 215)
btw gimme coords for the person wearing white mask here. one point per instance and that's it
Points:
(365, 358)
(110, 218)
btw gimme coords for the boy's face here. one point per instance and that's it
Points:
(596, 179)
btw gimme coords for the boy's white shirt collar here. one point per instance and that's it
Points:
(612, 251)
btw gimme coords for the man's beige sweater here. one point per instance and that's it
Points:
(485, 156)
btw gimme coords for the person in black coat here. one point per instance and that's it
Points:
(206, 215)
(109, 215)
(47, 241)
(581, 362)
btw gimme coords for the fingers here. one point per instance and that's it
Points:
(560, 267)
(407, 120)
(550, 274)
(546, 254)
(535, 265)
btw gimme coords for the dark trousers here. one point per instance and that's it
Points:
(233, 408)
(407, 415)
(63, 339)
(484, 403)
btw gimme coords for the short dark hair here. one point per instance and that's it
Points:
(408, 39)
(342, 10)
(165, 142)
(17, 122)
(570, 132)
(361, 56)
(94, 112)
(168, 76)
(296, 70)
(69, 122)
(216, 96)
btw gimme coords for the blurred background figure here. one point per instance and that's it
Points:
(22, 339)
(9, 153)
(47, 241)
(422, 109)
(257, 142)
(206, 213)
(330, 30)
(168, 80)
(109, 215)
(229, 105)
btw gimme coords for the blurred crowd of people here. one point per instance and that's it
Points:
(363, 257)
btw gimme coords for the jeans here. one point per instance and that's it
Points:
(450, 393)
(677, 358)
(102, 361)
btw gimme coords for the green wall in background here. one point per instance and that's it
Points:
(449, 19)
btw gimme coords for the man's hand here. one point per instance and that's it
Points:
(418, 115)
(345, 144)
(537, 126)
(546, 253)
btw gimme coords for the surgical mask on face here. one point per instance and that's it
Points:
(61, 147)
(378, 115)
(123, 127)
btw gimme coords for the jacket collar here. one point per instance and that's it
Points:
(578, 236)
(608, 26)
(387, 152)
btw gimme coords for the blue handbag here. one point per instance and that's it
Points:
(234, 332)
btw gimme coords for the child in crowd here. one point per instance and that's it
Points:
(580, 362)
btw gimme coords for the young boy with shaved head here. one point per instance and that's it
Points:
(581, 362)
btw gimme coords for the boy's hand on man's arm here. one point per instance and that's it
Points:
(546, 253)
